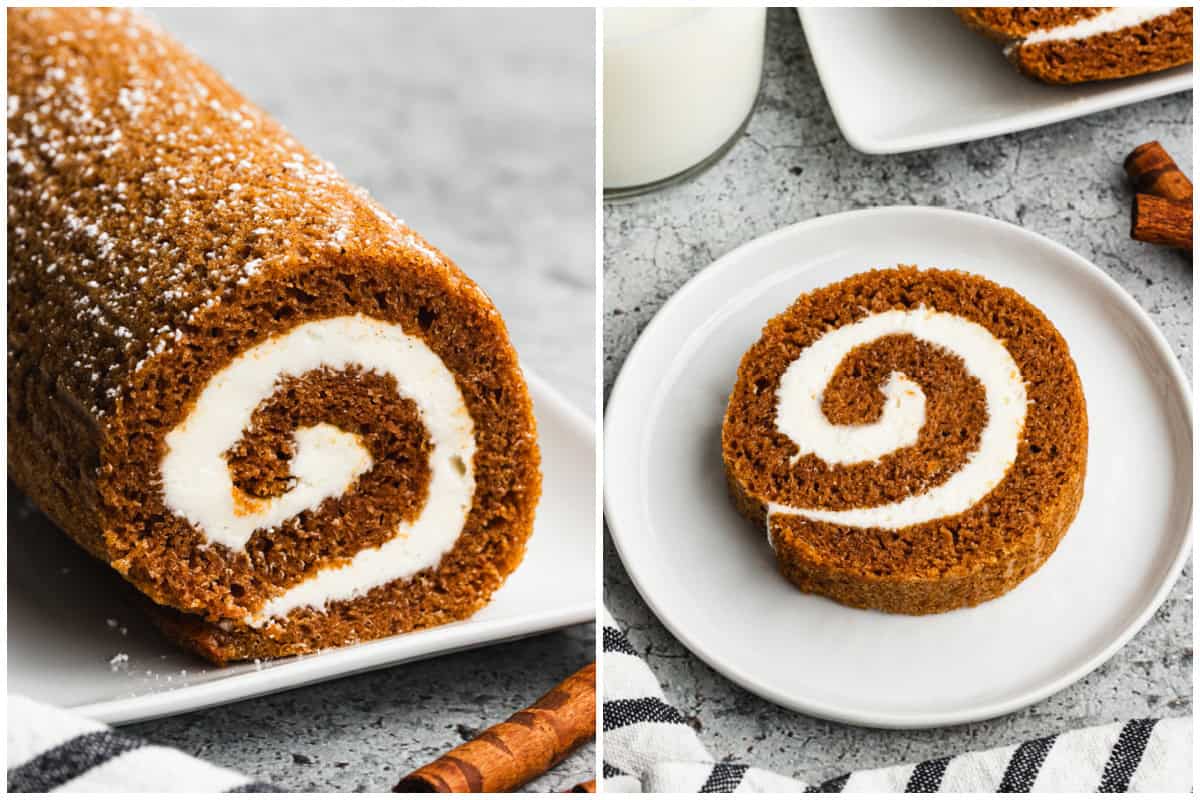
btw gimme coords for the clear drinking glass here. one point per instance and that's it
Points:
(679, 87)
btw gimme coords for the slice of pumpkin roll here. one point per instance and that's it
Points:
(274, 409)
(1010, 23)
(914, 441)
(1064, 45)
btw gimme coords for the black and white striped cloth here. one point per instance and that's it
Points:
(51, 750)
(649, 747)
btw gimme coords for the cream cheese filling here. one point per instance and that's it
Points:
(798, 415)
(198, 486)
(1114, 19)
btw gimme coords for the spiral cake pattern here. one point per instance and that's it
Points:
(914, 440)
(198, 485)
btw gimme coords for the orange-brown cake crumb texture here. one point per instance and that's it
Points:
(159, 225)
(1008, 23)
(946, 563)
(1151, 46)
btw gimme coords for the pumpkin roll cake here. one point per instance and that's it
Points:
(913, 440)
(1081, 43)
(277, 411)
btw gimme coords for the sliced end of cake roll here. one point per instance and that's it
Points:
(1074, 45)
(276, 410)
(913, 440)
(341, 451)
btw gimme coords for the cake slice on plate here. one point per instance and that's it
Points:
(1074, 45)
(914, 441)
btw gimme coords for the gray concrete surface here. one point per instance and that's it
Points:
(364, 733)
(477, 128)
(1064, 181)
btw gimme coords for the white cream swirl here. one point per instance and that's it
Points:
(798, 414)
(1108, 21)
(197, 484)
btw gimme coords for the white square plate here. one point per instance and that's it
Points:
(901, 79)
(69, 615)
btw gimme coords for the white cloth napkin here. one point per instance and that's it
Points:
(51, 750)
(648, 747)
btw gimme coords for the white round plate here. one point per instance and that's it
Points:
(710, 576)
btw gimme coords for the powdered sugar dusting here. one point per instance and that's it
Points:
(143, 192)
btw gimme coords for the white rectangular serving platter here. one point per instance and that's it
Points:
(78, 639)
(902, 79)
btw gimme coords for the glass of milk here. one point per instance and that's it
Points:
(679, 88)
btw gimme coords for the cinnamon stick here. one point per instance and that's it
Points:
(527, 744)
(1153, 171)
(1161, 221)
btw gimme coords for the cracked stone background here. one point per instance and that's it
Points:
(1064, 181)
(477, 128)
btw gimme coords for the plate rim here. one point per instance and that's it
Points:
(616, 515)
(310, 669)
(865, 143)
